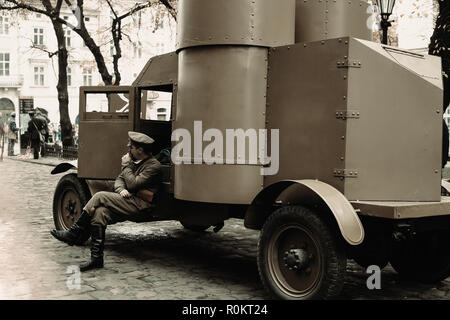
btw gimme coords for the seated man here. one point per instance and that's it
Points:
(134, 188)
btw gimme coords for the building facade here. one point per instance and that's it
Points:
(29, 73)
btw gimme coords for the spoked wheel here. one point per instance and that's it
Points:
(71, 195)
(299, 256)
(426, 258)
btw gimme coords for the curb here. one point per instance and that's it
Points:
(36, 161)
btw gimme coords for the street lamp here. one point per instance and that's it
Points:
(386, 7)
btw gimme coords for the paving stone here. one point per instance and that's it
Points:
(155, 261)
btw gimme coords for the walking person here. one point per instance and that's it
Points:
(12, 133)
(2, 135)
(35, 128)
(135, 188)
(45, 131)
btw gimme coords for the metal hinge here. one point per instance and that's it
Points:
(345, 173)
(348, 64)
(347, 114)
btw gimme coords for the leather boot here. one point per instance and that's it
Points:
(97, 245)
(78, 232)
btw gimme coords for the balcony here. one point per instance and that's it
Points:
(12, 81)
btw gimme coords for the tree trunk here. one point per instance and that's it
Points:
(63, 95)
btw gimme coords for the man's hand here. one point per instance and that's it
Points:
(126, 159)
(124, 193)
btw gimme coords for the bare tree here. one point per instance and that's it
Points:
(53, 13)
(116, 30)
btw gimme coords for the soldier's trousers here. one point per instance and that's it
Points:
(111, 207)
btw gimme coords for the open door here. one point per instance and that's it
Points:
(106, 116)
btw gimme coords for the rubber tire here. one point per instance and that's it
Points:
(69, 181)
(331, 249)
(425, 259)
(195, 228)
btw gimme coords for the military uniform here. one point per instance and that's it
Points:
(111, 207)
(124, 204)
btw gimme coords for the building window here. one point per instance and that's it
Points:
(137, 20)
(161, 114)
(38, 36)
(137, 49)
(69, 76)
(39, 76)
(4, 25)
(87, 77)
(67, 37)
(159, 25)
(4, 64)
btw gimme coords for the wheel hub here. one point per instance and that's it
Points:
(296, 259)
(71, 207)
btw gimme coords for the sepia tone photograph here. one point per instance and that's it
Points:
(224, 150)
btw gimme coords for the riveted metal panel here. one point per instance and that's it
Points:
(319, 19)
(396, 142)
(403, 210)
(103, 133)
(306, 88)
(237, 184)
(224, 88)
(159, 70)
(235, 22)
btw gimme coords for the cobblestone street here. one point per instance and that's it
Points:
(158, 261)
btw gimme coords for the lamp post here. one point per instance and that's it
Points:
(386, 7)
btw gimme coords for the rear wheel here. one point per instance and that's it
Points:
(299, 256)
(426, 258)
(71, 195)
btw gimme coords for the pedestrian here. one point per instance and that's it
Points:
(45, 131)
(12, 133)
(134, 191)
(35, 128)
(2, 135)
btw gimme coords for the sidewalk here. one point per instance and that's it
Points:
(48, 161)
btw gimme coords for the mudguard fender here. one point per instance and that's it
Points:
(306, 192)
(65, 166)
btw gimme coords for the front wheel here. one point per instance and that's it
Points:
(299, 256)
(71, 195)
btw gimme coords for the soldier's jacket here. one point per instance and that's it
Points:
(144, 175)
